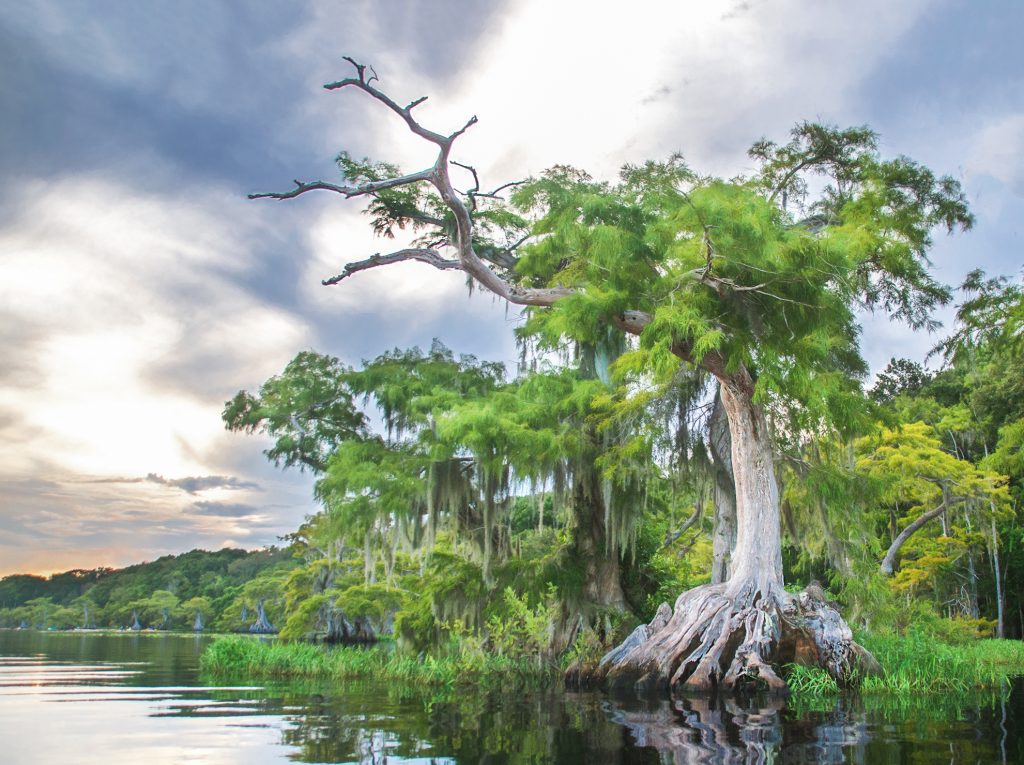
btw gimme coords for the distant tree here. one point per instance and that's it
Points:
(916, 473)
(900, 376)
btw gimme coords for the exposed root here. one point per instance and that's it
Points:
(732, 637)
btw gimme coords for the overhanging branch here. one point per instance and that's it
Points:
(370, 187)
(423, 255)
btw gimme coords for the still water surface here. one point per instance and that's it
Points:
(73, 698)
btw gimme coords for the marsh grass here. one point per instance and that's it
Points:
(246, 657)
(919, 663)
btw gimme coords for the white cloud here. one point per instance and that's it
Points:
(573, 82)
(107, 284)
(998, 151)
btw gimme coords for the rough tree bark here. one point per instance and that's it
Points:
(603, 583)
(724, 538)
(725, 635)
(728, 635)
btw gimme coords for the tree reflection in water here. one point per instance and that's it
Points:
(693, 731)
(372, 723)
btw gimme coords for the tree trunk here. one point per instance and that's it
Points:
(262, 625)
(724, 538)
(728, 635)
(602, 577)
(603, 582)
(1000, 630)
(888, 564)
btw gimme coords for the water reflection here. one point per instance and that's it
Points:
(969, 728)
(140, 698)
(728, 731)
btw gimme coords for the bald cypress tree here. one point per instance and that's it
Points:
(754, 281)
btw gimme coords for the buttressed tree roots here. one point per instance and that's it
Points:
(729, 635)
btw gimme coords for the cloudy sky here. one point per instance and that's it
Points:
(139, 289)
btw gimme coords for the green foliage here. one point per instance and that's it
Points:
(304, 617)
(522, 631)
(900, 377)
(725, 271)
(307, 410)
(911, 466)
(268, 588)
(991, 319)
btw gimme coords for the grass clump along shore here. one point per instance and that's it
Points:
(912, 664)
(248, 657)
(919, 663)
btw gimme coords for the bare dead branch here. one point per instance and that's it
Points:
(671, 537)
(494, 193)
(428, 256)
(474, 193)
(471, 193)
(476, 178)
(429, 220)
(517, 244)
(370, 187)
(469, 123)
(632, 322)
(405, 113)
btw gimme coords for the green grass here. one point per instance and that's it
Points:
(914, 664)
(919, 663)
(246, 657)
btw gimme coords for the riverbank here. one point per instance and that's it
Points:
(910, 665)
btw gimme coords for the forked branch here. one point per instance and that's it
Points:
(362, 82)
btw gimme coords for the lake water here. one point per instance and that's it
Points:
(75, 698)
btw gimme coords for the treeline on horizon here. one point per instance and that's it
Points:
(224, 588)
